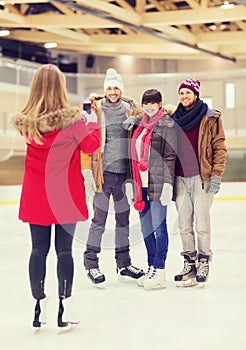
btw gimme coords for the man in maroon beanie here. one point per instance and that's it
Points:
(199, 167)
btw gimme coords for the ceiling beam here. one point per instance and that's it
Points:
(181, 30)
(74, 21)
(11, 17)
(68, 33)
(145, 30)
(108, 9)
(237, 38)
(194, 16)
(137, 40)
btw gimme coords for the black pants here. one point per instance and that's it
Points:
(41, 238)
(113, 185)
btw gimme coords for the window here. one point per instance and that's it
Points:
(230, 95)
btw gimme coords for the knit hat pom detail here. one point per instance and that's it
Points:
(111, 71)
(113, 79)
(139, 206)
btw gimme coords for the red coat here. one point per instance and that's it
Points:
(53, 189)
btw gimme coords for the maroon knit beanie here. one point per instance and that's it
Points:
(192, 84)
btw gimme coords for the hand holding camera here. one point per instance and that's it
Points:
(88, 112)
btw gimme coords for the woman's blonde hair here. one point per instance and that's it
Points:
(47, 94)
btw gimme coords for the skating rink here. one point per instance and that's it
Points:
(123, 315)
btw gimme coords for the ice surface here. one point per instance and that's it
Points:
(122, 315)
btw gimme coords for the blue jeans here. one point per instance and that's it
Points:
(41, 238)
(154, 230)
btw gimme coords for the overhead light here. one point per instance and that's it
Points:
(227, 5)
(4, 32)
(225, 26)
(50, 45)
(212, 27)
(2, 3)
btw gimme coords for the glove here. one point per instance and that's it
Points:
(214, 184)
(90, 118)
(90, 185)
(166, 194)
(129, 123)
(129, 193)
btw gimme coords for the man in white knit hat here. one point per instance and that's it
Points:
(105, 174)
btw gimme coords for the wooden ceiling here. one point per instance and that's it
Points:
(167, 29)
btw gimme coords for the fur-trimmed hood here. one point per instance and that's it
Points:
(51, 121)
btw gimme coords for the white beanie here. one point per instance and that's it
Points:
(113, 79)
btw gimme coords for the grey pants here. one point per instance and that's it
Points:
(193, 205)
(113, 185)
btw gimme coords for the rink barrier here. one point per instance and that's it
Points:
(216, 199)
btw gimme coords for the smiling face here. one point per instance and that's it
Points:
(151, 108)
(113, 94)
(187, 98)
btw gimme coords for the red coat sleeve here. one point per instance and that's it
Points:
(87, 136)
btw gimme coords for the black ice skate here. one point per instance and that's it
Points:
(96, 276)
(187, 277)
(40, 313)
(129, 272)
(202, 269)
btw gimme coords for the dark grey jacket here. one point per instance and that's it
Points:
(162, 156)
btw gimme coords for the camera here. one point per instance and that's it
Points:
(87, 106)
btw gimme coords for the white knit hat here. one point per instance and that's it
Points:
(113, 79)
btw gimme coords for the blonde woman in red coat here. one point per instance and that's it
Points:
(53, 187)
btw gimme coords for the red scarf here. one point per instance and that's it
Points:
(141, 164)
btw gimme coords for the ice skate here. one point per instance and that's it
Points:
(129, 272)
(67, 316)
(187, 278)
(40, 317)
(156, 280)
(202, 270)
(96, 277)
(145, 276)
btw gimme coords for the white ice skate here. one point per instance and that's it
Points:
(143, 278)
(67, 316)
(156, 280)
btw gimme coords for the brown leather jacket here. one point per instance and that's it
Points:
(211, 146)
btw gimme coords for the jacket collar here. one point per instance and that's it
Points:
(52, 121)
